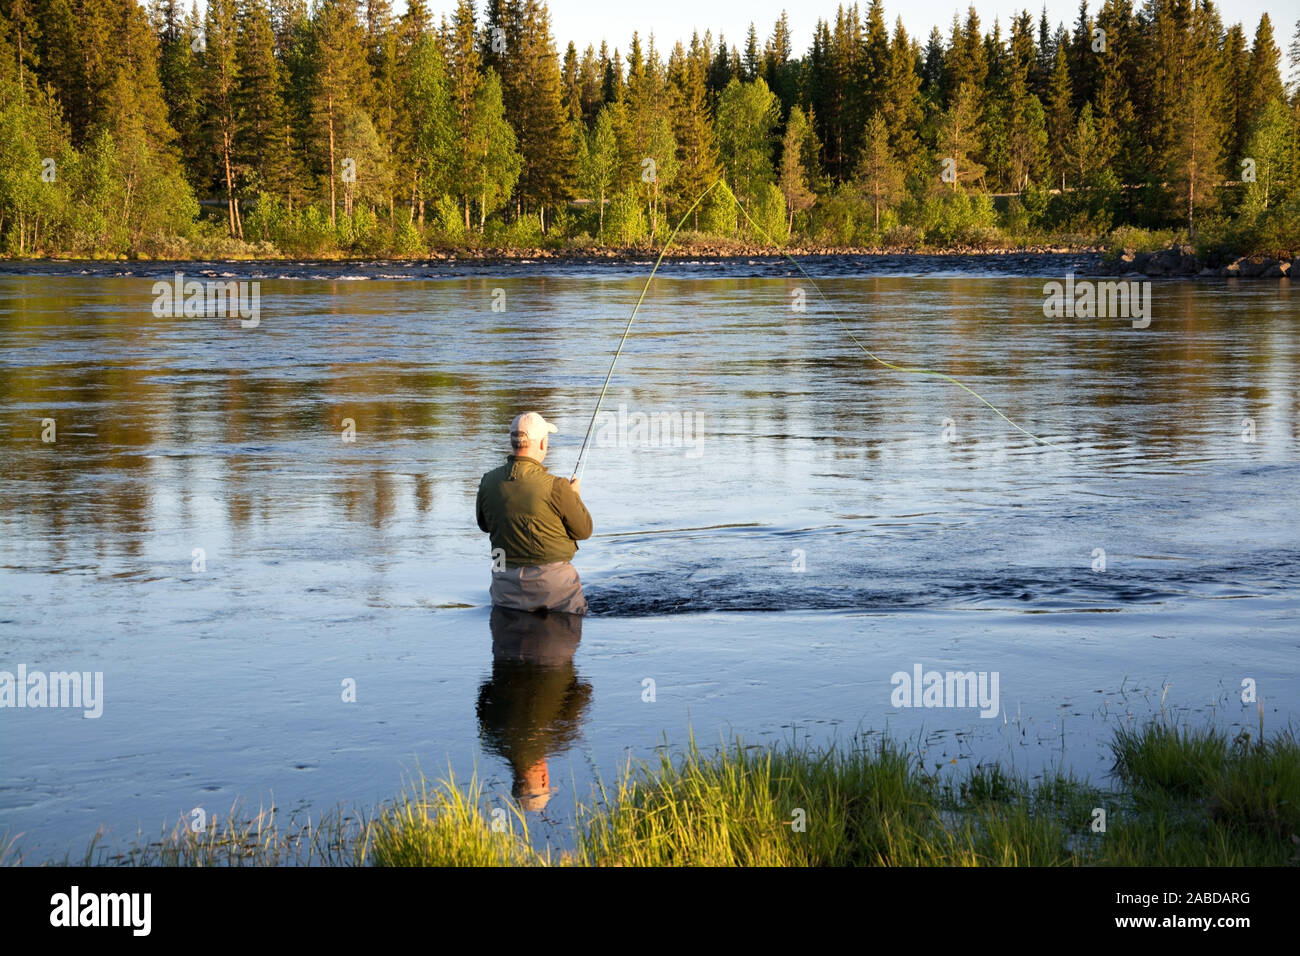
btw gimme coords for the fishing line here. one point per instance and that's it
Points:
(872, 355)
(577, 471)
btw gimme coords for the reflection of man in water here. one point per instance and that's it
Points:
(531, 708)
(535, 520)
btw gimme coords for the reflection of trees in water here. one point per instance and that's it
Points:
(531, 708)
(159, 414)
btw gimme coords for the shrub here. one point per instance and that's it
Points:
(407, 241)
(718, 217)
(768, 211)
(625, 219)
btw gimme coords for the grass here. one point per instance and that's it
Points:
(1184, 797)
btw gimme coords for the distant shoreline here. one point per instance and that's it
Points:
(1029, 261)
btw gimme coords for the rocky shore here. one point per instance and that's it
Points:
(1183, 261)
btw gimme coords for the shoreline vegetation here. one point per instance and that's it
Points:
(1178, 261)
(1182, 797)
(269, 128)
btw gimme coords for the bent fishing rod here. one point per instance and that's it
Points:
(582, 452)
(577, 470)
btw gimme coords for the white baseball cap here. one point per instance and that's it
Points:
(533, 425)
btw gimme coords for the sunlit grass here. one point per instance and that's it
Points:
(1185, 797)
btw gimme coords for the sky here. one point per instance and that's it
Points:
(588, 21)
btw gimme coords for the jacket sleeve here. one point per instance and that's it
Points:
(574, 514)
(478, 511)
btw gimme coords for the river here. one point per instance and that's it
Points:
(261, 533)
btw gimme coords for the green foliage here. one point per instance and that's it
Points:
(719, 217)
(956, 216)
(1161, 757)
(839, 218)
(747, 116)
(525, 233)
(451, 224)
(625, 219)
(407, 241)
(599, 164)
(140, 123)
(768, 213)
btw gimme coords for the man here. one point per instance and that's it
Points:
(535, 520)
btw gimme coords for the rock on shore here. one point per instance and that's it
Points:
(1183, 261)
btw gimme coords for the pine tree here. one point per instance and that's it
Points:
(1235, 63)
(874, 59)
(591, 86)
(24, 36)
(780, 71)
(880, 175)
(900, 100)
(932, 68)
(697, 151)
(1060, 118)
(960, 138)
(753, 62)
(645, 131)
(1293, 53)
(1263, 79)
(263, 144)
(178, 71)
(1194, 162)
(220, 77)
(462, 55)
(1114, 86)
(341, 86)
(571, 85)
(1084, 53)
(383, 53)
(721, 70)
(794, 175)
(544, 136)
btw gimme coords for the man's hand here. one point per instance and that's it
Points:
(576, 485)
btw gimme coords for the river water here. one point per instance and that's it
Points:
(243, 527)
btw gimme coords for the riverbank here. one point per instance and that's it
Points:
(1173, 263)
(1182, 797)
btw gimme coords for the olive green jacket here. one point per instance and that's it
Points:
(533, 516)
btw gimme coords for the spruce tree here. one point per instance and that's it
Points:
(879, 173)
(263, 144)
(697, 151)
(794, 176)
(220, 77)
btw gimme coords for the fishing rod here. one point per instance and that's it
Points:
(577, 471)
(582, 452)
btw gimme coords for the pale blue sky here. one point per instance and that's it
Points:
(587, 21)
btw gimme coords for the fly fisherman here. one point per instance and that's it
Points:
(535, 520)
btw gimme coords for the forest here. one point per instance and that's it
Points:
(264, 128)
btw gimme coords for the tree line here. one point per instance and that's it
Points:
(266, 126)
